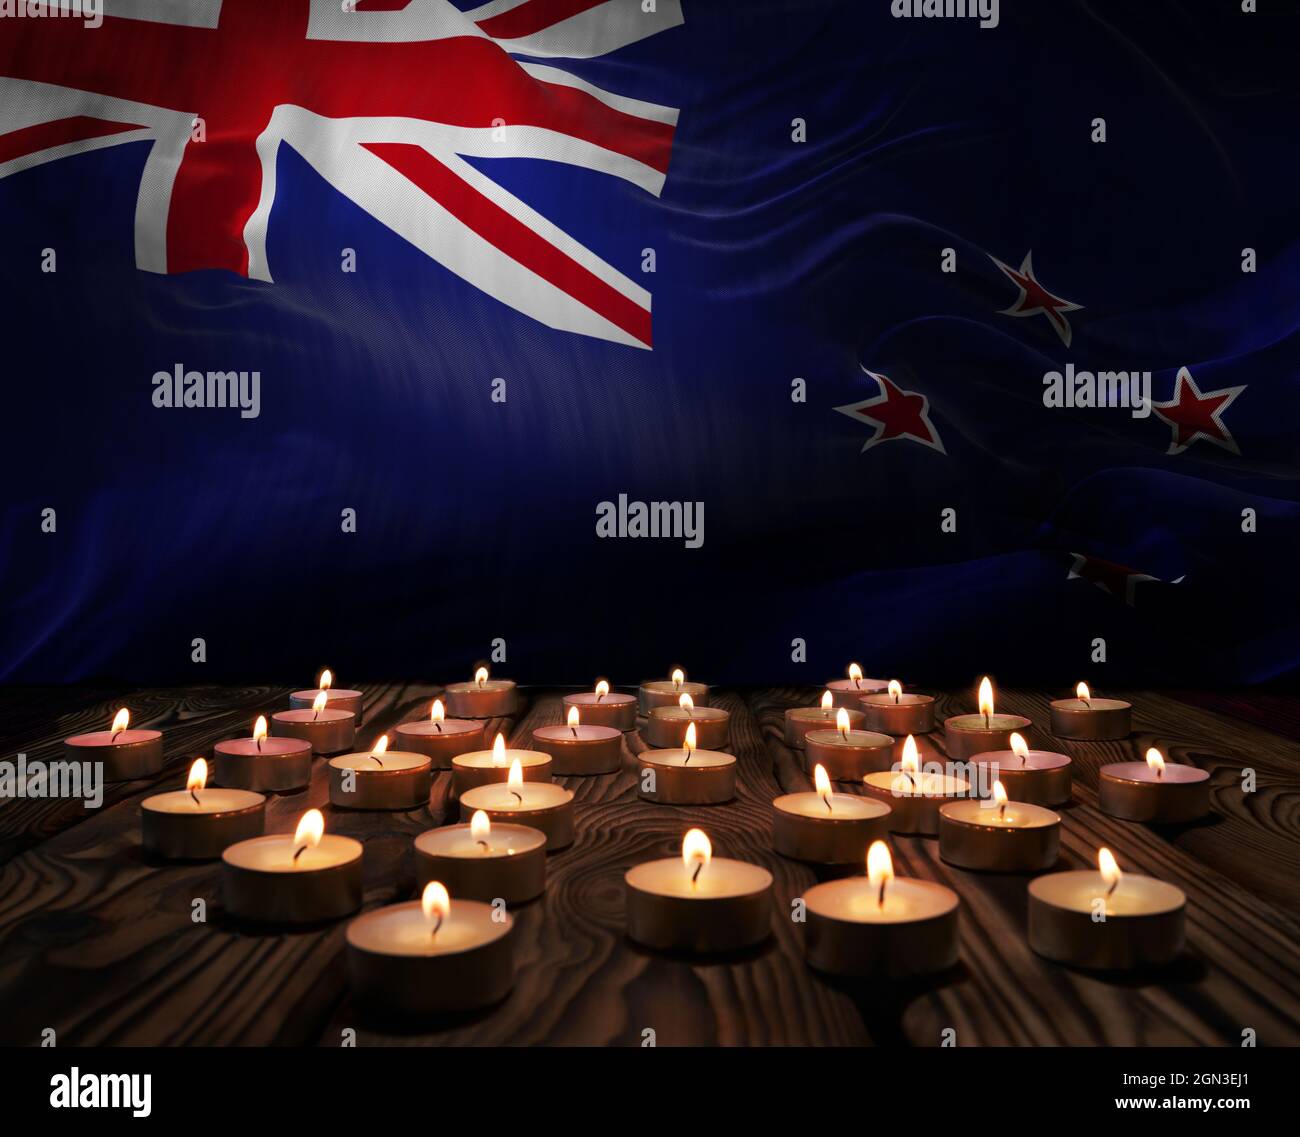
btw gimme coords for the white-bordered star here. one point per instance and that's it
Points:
(1035, 299)
(1195, 414)
(895, 413)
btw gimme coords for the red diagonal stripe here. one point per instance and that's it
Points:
(45, 135)
(532, 16)
(513, 237)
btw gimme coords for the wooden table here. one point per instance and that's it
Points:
(99, 944)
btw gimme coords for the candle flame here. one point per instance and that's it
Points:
(515, 779)
(481, 676)
(679, 676)
(910, 763)
(318, 703)
(822, 782)
(480, 825)
(999, 793)
(435, 903)
(602, 688)
(842, 723)
(1019, 746)
(198, 775)
(986, 696)
(697, 852)
(880, 868)
(1082, 692)
(499, 750)
(1109, 869)
(828, 700)
(310, 830)
(259, 728)
(574, 719)
(686, 702)
(895, 688)
(381, 745)
(689, 743)
(855, 673)
(326, 680)
(121, 720)
(438, 712)
(1156, 761)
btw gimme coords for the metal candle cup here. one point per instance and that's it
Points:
(898, 714)
(1040, 778)
(1091, 719)
(456, 736)
(800, 720)
(176, 826)
(1133, 791)
(335, 700)
(391, 780)
(975, 835)
(915, 802)
(686, 777)
(666, 727)
(968, 735)
(665, 693)
(846, 692)
(261, 881)
(540, 805)
(271, 765)
(615, 709)
(510, 865)
(328, 731)
(581, 750)
(848, 758)
(728, 908)
(486, 768)
(126, 754)
(805, 830)
(398, 965)
(493, 698)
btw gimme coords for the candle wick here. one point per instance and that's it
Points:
(827, 799)
(575, 731)
(599, 697)
(896, 698)
(986, 720)
(436, 926)
(195, 795)
(688, 757)
(880, 902)
(910, 780)
(259, 744)
(438, 725)
(315, 716)
(486, 847)
(1114, 885)
(298, 854)
(374, 758)
(1002, 811)
(695, 876)
(1086, 703)
(115, 734)
(518, 796)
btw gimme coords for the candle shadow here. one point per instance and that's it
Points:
(1187, 968)
(882, 1005)
(408, 1025)
(741, 955)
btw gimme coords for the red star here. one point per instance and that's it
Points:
(1197, 414)
(1034, 298)
(896, 414)
(1119, 580)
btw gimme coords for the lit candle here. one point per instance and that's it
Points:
(273, 765)
(800, 720)
(380, 778)
(686, 776)
(482, 861)
(489, 767)
(430, 956)
(848, 754)
(667, 726)
(665, 692)
(1108, 920)
(579, 748)
(999, 836)
(124, 753)
(196, 823)
(848, 692)
(302, 878)
(329, 730)
(603, 707)
(1155, 790)
(1089, 718)
(880, 926)
(968, 735)
(695, 903)
(915, 794)
(542, 805)
(1037, 776)
(825, 827)
(339, 699)
(439, 737)
(482, 697)
(897, 712)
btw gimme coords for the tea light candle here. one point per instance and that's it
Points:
(698, 904)
(800, 720)
(914, 795)
(687, 776)
(847, 692)
(824, 827)
(1086, 718)
(196, 824)
(329, 731)
(430, 956)
(381, 779)
(483, 698)
(1107, 920)
(578, 749)
(125, 754)
(1035, 776)
(439, 738)
(897, 713)
(603, 707)
(1155, 790)
(1004, 836)
(667, 726)
(274, 765)
(968, 735)
(303, 879)
(665, 692)
(489, 767)
(880, 926)
(482, 861)
(339, 700)
(848, 755)
(538, 804)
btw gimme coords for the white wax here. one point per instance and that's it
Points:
(275, 854)
(699, 759)
(440, 728)
(925, 785)
(585, 733)
(387, 763)
(306, 714)
(403, 929)
(995, 722)
(850, 740)
(486, 760)
(906, 901)
(844, 807)
(457, 841)
(1018, 814)
(681, 714)
(214, 800)
(1011, 761)
(719, 879)
(1134, 895)
(861, 687)
(668, 687)
(1174, 774)
(499, 796)
(470, 687)
(813, 714)
(1091, 704)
